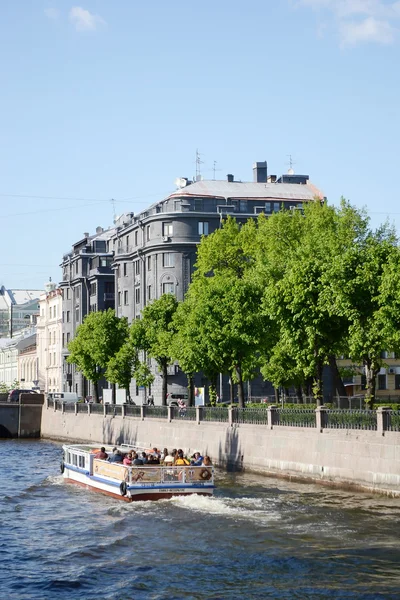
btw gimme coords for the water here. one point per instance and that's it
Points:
(256, 538)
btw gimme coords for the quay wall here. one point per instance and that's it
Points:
(21, 419)
(367, 460)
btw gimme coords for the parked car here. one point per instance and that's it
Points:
(13, 396)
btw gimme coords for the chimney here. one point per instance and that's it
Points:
(99, 229)
(230, 178)
(260, 172)
(271, 179)
(86, 235)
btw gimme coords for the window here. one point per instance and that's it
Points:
(119, 298)
(77, 295)
(149, 263)
(93, 289)
(63, 340)
(167, 229)
(148, 232)
(198, 204)
(168, 259)
(68, 316)
(384, 354)
(126, 297)
(149, 292)
(127, 242)
(125, 269)
(168, 288)
(137, 267)
(267, 207)
(177, 205)
(136, 238)
(137, 295)
(397, 382)
(276, 207)
(203, 227)
(68, 338)
(77, 314)
(67, 293)
(382, 382)
(243, 205)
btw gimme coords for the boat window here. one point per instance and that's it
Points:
(75, 460)
(82, 461)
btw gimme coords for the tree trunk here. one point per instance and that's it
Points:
(337, 380)
(212, 392)
(317, 388)
(190, 378)
(299, 394)
(240, 385)
(164, 375)
(276, 395)
(371, 371)
(95, 392)
(113, 393)
(231, 392)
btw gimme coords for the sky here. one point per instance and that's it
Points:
(110, 100)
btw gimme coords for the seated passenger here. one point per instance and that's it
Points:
(116, 456)
(168, 459)
(153, 459)
(144, 458)
(207, 462)
(164, 453)
(128, 459)
(197, 459)
(136, 460)
(180, 459)
(102, 454)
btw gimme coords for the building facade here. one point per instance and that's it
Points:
(88, 285)
(17, 307)
(49, 339)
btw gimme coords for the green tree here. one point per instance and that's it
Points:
(153, 334)
(97, 340)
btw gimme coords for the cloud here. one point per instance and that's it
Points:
(359, 21)
(83, 20)
(52, 13)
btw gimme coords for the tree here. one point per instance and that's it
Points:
(97, 340)
(153, 334)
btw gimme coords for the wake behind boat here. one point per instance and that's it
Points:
(133, 482)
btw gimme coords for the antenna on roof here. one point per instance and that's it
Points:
(199, 162)
(215, 169)
(113, 208)
(290, 163)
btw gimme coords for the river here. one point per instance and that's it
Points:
(256, 538)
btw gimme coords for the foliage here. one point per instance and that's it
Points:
(5, 389)
(97, 341)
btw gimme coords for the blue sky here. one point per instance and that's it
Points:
(111, 99)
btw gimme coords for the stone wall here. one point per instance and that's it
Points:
(364, 459)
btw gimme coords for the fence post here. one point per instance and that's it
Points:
(104, 410)
(198, 415)
(321, 417)
(55, 405)
(63, 407)
(142, 412)
(76, 408)
(272, 416)
(89, 409)
(123, 411)
(169, 413)
(383, 419)
(230, 415)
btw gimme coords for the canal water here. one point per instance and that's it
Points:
(256, 538)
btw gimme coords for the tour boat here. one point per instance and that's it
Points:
(129, 483)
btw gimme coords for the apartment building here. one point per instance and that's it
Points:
(49, 339)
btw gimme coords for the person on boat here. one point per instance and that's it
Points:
(168, 458)
(197, 459)
(153, 460)
(128, 459)
(207, 462)
(144, 458)
(136, 460)
(116, 456)
(164, 453)
(101, 454)
(180, 460)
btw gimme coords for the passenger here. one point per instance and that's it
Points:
(180, 459)
(174, 453)
(156, 452)
(168, 459)
(128, 459)
(197, 459)
(155, 460)
(164, 453)
(116, 456)
(207, 462)
(102, 454)
(144, 458)
(136, 460)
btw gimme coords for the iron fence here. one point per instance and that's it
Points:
(156, 412)
(113, 409)
(351, 419)
(82, 408)
(97, 409)
(188, 413)
(295, 417)
(255, 416)
(394, 421)
(214, 413)
(133, 411)
(69, 406)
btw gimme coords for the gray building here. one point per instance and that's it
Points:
(155, 250)
(87, 285)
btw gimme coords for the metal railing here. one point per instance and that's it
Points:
(188, 413)
(69, 406)
(214, 413)
(394, 421)
(156, 412)
(296, 417)
(254, 416)
(81, 407)
(113, 409)
(97, 409)
(351, 419)
(133, 411)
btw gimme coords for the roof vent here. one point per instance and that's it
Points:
(230, 178)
